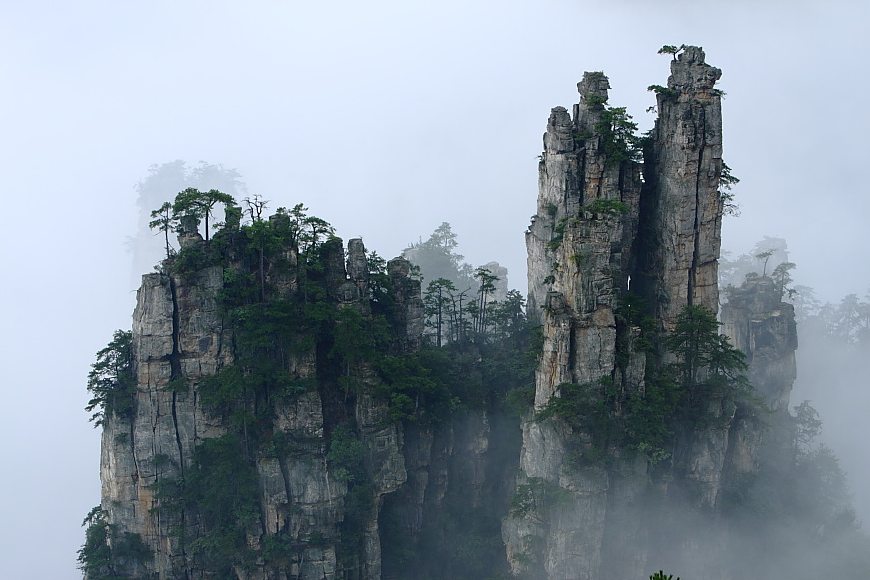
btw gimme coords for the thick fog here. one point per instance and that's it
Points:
(386, 119)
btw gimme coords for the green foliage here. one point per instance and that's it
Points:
(278, 301)
(595, 101)
(95, 556)
(358, 338)
(432, 384)
(703, 353)
(106, 555)
(267, 336)
(536, 495)
(733, 272)
(708, 366)
(632, 312)
(194, 258)
(605, 415)
(619, 140)
(486, 288)
(650, 416)
(672, 49)
(346, 455)
(607, 207)
(808, 426)
(587, 409)
(558, 234)
(764, 257)
(220, 492)
(520, 399)
(645, 423)
(347, 460)
(596, 76)
(164, 220)
(417, 385)
(782, 277)
(727, 181)
(660, 575)
(797, 513)
(664, 91)
(111, 381)
(200, 205)
(437, 301)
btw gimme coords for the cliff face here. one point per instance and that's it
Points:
(681, 234)
(253, 386)
(579, 263)
(763, 327)
(605, 239)
(334, 470)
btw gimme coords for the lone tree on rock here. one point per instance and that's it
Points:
(163, 219)
(672, 50)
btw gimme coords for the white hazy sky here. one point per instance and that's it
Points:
(386, 118)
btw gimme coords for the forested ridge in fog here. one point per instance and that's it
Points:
(288, 406)
(415, 132)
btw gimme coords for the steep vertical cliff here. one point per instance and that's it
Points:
(579, 263)
(680, 238)
(284, 415)
(614, 259)
(763, 327)
(282, 422)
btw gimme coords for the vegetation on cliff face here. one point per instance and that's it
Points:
(278, 299)
(301, 325)
(106, 553)
(111, 382)
(706, 366)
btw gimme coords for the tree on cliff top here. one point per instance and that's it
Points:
(192, 202)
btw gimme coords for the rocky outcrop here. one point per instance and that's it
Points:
(604, 242)
(626, 235)
(680, 239)
(579, 258)
(181, 337)
(184, 335)
(763, 327)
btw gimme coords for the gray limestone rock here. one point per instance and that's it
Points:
(180, 338)
(579, 246)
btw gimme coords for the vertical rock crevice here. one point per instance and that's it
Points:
(662, 245)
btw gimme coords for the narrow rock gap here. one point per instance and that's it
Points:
(175, 374)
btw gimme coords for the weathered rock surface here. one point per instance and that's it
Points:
(585, 253)
(606, 225)
(682, 168)
(763, 327)
(181, 336)
(579, 248)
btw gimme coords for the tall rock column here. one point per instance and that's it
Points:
(601, 235)
(578, 247)
(763, 327)
(679, 239)
(682, 210)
